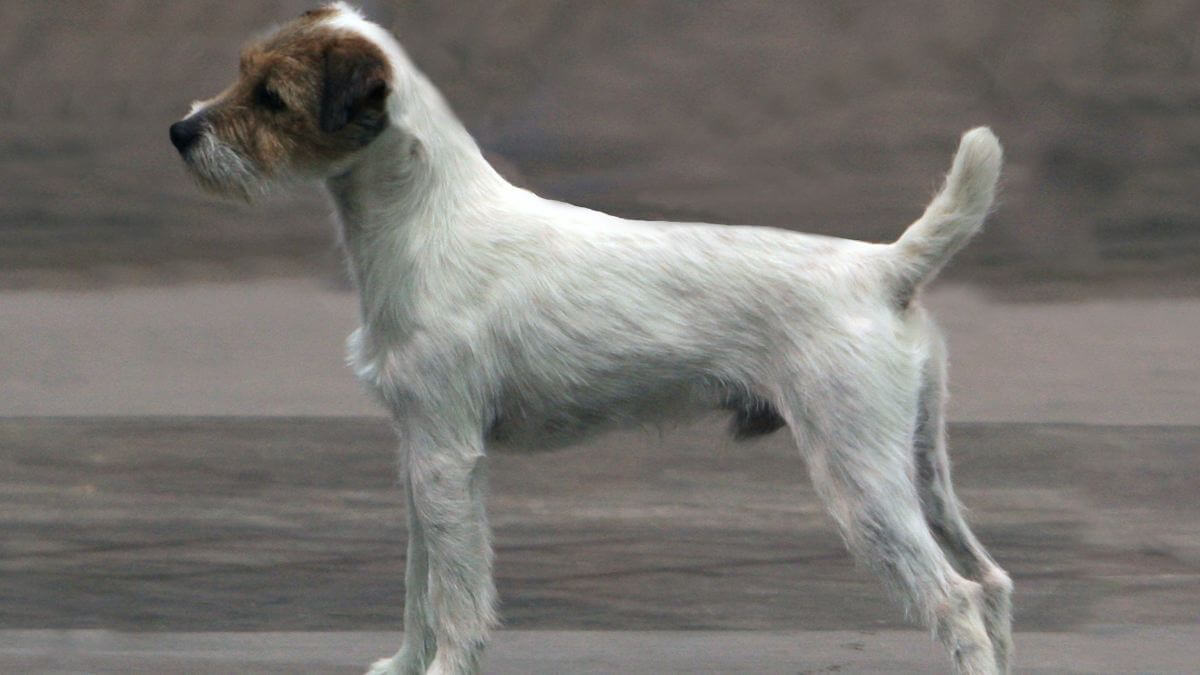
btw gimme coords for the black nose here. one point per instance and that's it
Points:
(185, 133)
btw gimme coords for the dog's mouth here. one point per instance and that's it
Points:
(222, 170)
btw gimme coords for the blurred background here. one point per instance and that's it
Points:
(834, 117)
(129, 299)
(827, 117)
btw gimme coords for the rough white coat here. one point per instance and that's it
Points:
(492, 318)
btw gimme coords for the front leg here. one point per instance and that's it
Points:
(416, 653)
(450, 602)
(447, 483)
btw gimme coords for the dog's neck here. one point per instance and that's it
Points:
(399, 199)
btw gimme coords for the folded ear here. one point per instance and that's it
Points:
(356, 87)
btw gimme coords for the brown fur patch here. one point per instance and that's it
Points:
(319, 14)
(273, 113)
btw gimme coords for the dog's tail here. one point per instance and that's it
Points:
(954, 215)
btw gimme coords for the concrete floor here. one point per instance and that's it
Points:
(1117, 650)
(276, 545)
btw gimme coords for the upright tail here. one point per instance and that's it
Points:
(954, 215)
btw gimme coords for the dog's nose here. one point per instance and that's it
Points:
(184, 133)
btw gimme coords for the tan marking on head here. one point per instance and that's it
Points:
(306, 95)
(320, 13)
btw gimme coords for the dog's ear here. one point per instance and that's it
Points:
(355, 89)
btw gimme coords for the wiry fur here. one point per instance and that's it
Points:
(954, 215)
(220, 168)
(493, 319)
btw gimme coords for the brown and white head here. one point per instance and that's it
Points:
(308, 98)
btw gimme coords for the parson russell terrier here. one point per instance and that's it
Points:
(493, 319)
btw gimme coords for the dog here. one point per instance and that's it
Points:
(494, 319)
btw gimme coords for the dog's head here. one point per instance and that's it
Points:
(307, 98)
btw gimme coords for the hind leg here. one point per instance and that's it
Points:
(859, 457)
(945, 518)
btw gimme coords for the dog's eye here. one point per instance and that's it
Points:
(268, 99)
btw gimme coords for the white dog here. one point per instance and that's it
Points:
(495, 319)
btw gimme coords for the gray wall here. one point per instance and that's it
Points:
(829, 117)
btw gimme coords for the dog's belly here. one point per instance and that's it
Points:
(517, 428)
(523, 435)
(524, 424)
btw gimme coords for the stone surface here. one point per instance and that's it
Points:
(1170, 649)
(295, 524)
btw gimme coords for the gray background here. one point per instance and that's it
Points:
(127, 291)
(182, 450)
(830, 117)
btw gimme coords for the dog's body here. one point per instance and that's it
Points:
(494, 319)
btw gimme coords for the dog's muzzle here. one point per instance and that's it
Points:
(186, 132)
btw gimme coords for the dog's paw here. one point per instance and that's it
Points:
(384, 667)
